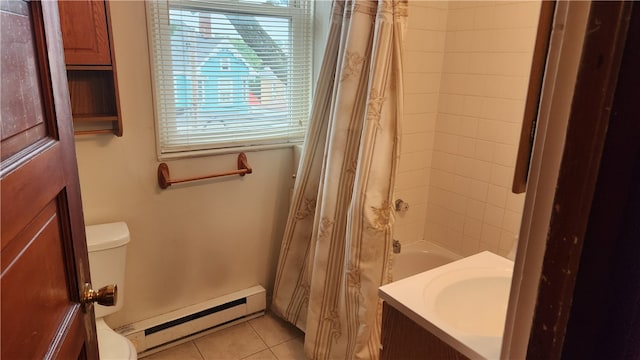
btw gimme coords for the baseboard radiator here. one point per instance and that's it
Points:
(181, 325)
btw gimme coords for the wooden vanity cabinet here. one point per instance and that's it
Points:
(91, 68)
(402, 338)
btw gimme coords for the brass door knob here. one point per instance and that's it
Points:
(106, 295)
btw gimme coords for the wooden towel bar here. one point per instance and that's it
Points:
(164, 180)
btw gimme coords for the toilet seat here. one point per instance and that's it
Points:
(113, 346)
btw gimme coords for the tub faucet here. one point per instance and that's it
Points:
(396, 246)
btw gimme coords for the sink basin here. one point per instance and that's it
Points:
(463, 303)
(472, 301)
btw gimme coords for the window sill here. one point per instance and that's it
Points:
(224, 151)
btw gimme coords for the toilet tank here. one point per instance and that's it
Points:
(107, 245)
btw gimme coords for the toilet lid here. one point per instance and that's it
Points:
(113, 346)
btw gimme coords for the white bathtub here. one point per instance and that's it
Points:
(418, 257)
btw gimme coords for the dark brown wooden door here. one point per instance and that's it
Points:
(44, 255)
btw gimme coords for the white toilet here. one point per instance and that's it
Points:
(107, 244)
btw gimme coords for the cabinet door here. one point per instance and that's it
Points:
(84, 32)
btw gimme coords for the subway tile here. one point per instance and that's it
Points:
(413, 161)
(472, 228)
(422, 62)
(480, 170)
(465, 167)
(475, 84)
(450, 104)
(475, 209)
(441, 179)
(485, 150)
(449, 124)
(505, 155)
(470, 246)
(454, 239)
(415, 142)
(453, 83)
(468, 126)
(462, 185)
(410, 232)
(484, 18)
(458, 204)
(507, 240)
(479, 190)
(437, 233)
(420, 103)
(426, 18)
(493, 215)
(515, 63)
(488, 247)
(508, 133)
(460, 19)
(422, 83)
(456, 63)
(418, 123)
(515, 202)
(443, 161)
(446, 143)
(497, 196)
(488, 130)
(501, 175)
(471, 105)
(411, 179)
(417, 195)
(466, 147)
(478, 63)
(416, 213)
(490, 235)
(511, 221)
(482, 40)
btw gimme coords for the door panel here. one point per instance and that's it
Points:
(44, 258)
(21, 98)
(39, 264)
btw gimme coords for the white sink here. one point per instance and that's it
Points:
(464, 303)
(473, 301)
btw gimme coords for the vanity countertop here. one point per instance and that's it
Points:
(463, 303)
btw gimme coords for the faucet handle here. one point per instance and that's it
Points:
(401, 205)
(397, 247)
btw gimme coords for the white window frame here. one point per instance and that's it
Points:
(298, 9)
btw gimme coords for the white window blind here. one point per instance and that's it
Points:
(230, 73)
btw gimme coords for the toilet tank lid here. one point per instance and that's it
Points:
(107, 236)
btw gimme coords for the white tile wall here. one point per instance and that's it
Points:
(466, 75)
(423, 61)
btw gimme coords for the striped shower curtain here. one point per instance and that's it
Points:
(336, 250)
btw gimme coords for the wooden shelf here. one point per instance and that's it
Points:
(95, 117)
(91, 68)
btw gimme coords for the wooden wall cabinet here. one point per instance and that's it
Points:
(91, 67)
(402, 338)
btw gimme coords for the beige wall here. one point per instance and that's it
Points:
(188, 243)
(195, 242)
(466, 76)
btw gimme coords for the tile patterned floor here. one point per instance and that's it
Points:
(263, 338)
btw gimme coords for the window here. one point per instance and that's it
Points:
(228, 74)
